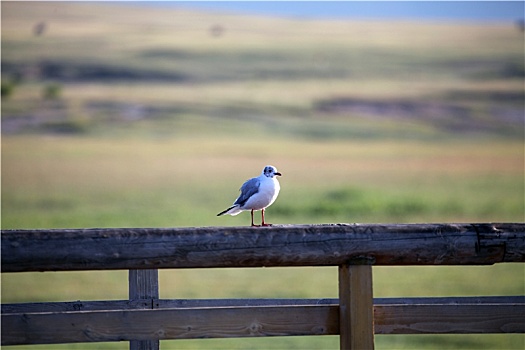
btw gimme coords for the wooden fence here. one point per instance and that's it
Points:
(356, 316)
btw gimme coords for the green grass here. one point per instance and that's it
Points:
(391, 342)
(81, 182)
(156, 123)
(140, 182)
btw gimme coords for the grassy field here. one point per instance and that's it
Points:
(136, 117)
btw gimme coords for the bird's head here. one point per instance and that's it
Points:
(270, 171)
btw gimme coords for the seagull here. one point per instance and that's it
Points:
(257, 193)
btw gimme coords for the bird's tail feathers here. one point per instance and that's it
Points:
(233, 210)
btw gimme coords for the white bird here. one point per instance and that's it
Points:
(257, 193)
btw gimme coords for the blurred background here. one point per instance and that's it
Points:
(152, 114)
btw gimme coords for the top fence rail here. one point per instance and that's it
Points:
(280, 245)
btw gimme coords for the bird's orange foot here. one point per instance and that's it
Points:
(265, 224)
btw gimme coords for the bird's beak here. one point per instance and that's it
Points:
(278, 174)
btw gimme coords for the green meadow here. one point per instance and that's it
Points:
(122, 116)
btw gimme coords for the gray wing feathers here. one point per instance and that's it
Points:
(248, 189)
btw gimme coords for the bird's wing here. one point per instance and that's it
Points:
(248, 189)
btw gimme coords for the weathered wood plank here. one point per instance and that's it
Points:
(356, 322)
(453, 319)
(76, 306)
(108, 305)
(104, 326)
(144, 284)
(391, 316)
(303, 245)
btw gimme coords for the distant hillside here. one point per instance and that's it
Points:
(78, 67)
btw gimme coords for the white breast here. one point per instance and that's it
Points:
(268, 192)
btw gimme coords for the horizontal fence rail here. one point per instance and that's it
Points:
(307, 245)
(103, 321)
(356, 316)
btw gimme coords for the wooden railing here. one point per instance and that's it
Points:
(356, 316)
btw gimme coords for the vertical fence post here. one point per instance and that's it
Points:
(144, 284)
(356, 303)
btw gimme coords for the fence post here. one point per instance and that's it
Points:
(144, 284)
(356, 313)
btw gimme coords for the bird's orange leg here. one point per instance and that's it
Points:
(264, 223)
(253, 225)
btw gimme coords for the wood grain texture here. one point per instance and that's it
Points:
(453, 319)
(211, 303)
(294, 245)
(103, 326)
(356, 321)
(144, 284)
(256, 317)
